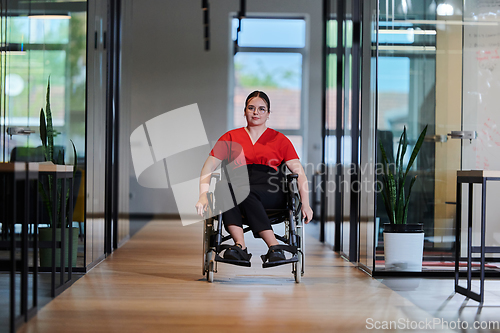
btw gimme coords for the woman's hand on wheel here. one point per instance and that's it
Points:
(202, 204)
(307, 213)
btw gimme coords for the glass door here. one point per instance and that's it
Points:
(419, 84)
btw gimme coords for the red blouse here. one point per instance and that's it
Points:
(271, 149)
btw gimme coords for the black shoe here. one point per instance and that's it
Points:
(275, 255)
(236, 252)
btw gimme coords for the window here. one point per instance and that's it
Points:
(269, 57)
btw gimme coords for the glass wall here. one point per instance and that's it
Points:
(43, 42)
(342, 126)
(436, 65)
(426, 63)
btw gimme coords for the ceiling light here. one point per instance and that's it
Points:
(50, 17)
(444, 9)
(448, 22)
(409, 31)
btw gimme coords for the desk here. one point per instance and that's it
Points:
(473, 177)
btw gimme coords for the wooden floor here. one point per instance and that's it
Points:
(154, 284)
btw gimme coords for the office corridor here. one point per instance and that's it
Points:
(153, 283)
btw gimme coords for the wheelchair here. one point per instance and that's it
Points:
(293, 239)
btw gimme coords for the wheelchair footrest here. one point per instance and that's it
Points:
(233, 262)
(280, 262)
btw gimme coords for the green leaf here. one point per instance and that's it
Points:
(402, 144)
(43, 128)
(398, 154)
(416, 149)
(75, 161)
(68, 196)
(408, 199)
(387, 203)
(392, 189)
(50, 128)
(385, 161)
(405, 145)
(400, 206)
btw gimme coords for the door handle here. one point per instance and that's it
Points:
(463, 135)
(19, 131)
(436, 138)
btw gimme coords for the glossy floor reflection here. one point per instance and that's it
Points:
(437, 297)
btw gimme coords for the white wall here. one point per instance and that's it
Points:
(170, 69)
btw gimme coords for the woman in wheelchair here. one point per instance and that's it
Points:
(261, 150)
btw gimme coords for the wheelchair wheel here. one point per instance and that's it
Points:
(208, 230)
(298, 268)
(208, 252)
(299, 265)
(206, 245)
(211, 266)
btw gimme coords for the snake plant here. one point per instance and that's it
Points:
(393, 183)
(47, 134)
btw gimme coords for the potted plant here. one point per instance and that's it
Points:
(403, 243)
(45, 186)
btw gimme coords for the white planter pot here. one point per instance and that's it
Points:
(403, 251)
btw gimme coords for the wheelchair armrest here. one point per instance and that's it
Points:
(217, 177)
(292, 176)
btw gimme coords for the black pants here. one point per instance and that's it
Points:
(265, 192)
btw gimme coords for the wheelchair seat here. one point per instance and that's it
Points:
(293, 239)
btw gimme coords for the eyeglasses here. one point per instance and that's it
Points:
(260, 110)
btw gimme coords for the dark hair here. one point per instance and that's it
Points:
(260, 94)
